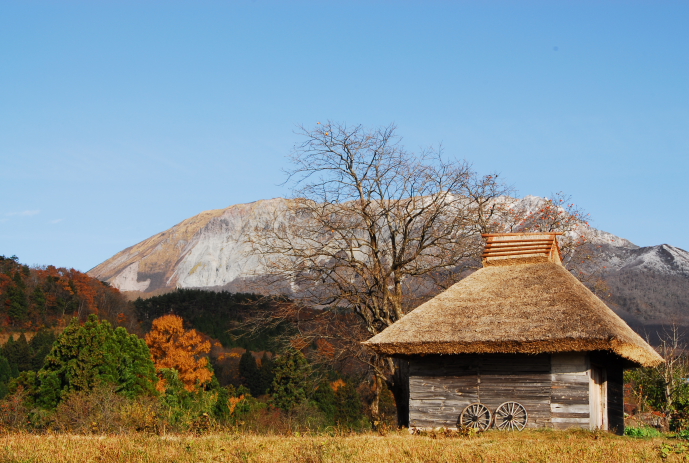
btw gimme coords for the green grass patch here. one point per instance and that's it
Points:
(642, 432)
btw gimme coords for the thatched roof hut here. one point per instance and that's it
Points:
(517, 303)
(521, 328)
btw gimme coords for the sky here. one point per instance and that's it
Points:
(120, 119)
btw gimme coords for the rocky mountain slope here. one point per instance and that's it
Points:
(648, 285)
(207, 250)
(645, 285)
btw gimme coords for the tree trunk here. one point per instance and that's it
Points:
(399, 386)
(375, 402)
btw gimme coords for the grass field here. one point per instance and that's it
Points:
(531, 446)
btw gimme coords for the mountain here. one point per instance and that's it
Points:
(648, 285)
(205, 251)
(645, 285)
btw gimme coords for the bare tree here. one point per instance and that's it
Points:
(673, 372)
(372, 231)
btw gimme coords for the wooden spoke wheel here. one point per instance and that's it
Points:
(511, 416)
(475, 416)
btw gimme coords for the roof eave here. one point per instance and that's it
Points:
(636, 354)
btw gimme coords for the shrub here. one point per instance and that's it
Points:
(140, 414)
(95, 411)
(183, 410)
(13, 411)
(307, 417)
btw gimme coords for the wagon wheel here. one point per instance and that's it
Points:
(511, 416)
(475, 416)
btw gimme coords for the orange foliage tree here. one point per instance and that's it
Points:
(183, 350)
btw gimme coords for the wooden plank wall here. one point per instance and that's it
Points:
(442, 386)
(554, 389)
(518, 378)
(569, 400)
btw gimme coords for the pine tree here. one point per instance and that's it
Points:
(86, 356)
(5, 376)
(250, 373)
(349, 409)
(18, 354)
(18, 302)
(292, 380)
(324, 397)
(7, 352)
(22, 353)
(39, 301)
(40, 346)
(266, 374)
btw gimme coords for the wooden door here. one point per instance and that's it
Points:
(598, 399)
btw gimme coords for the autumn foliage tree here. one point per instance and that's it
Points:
(173, 347)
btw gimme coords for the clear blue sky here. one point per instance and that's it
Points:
(120, 119)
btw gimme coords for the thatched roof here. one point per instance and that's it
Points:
(524, 304)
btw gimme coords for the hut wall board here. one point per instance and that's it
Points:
(440, 387)
(554, 389)
(569, 399)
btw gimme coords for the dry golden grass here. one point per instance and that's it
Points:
(531, 446)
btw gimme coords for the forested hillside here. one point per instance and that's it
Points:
(93, 377)
(35, 297)
(216, 314)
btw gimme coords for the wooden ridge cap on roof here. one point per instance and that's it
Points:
(517, 248)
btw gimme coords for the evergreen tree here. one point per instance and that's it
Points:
(18, 354)
(215, 314)
(18, 302)
(292, 380)
(249, 371)
(8, 352)
(349, 406)
(39, 301)
(325, 400)
(85, 356)
(22, 353)
(40, 346)
(266, 374)
(221, 409)
(5, 376)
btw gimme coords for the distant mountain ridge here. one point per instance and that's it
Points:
(646, 284)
